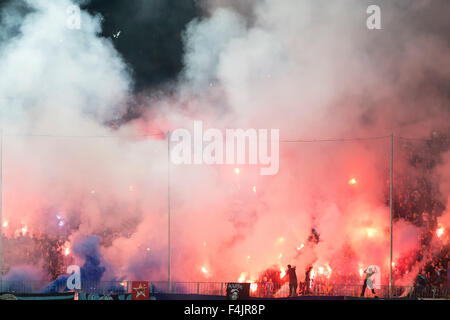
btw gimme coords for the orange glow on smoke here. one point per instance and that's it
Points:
(67, 248)
(371, 232)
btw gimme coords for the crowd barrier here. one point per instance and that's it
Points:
(258, 290)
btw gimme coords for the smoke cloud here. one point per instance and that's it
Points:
(310, 68)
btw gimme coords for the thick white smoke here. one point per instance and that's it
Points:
(309, 68)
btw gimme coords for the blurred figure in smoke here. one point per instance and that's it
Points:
(292, 281)
(368, 281)
(307, 279)
(419, 284)
(314, 237)
(271, 287)
(264, 291)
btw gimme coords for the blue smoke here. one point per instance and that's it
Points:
(59, 285)
(22, 279)
(88, 249)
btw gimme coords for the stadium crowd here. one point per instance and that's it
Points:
(418, 200)
(38, 249)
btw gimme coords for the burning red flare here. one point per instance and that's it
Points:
(66, 248)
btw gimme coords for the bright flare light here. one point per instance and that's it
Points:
(5, 224)
(313, 274)
(370, 232)
(67, 248)
(253, 287)
(236, 170)
(242, 277)
(24, 230)
(361, 272)
(439, 232)
(204, 270)
(282, 273)
(300, 247)
(352, 181)
(329, 272)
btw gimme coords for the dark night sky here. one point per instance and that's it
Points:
(151, 34)
(150, 39)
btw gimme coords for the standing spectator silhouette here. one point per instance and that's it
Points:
(367, 281)
(307, 279)
(292, 281)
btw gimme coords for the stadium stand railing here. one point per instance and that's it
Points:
(273, 290)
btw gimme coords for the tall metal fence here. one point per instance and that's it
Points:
(271, 290)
